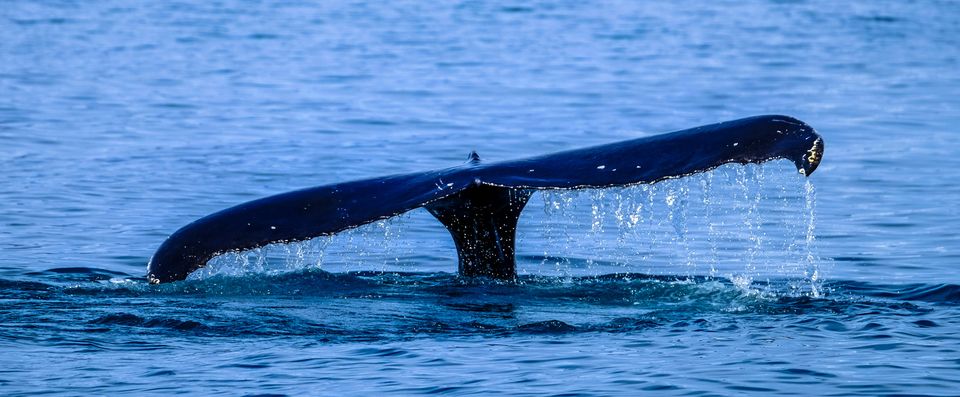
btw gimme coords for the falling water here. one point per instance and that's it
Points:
(744, 226)
(812, 272)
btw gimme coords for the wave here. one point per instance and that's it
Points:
(78, 304)
(933, 293)
(608, 288)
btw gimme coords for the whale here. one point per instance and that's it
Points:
(480, 202)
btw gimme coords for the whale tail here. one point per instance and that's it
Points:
(479, 203)
(482, 220)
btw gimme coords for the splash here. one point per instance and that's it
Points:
(812, 272)
(747, 224)
(380, 244)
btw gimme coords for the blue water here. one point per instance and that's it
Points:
(122, 121)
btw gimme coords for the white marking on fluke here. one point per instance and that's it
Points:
(600, 167)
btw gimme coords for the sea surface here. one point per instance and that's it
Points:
(122, 121)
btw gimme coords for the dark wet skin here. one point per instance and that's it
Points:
(480, 203)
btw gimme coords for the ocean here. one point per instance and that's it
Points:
(120, 122)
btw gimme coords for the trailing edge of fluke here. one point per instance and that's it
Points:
(479, 203)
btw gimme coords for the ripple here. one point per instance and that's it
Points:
(547, 327)
(126, 319)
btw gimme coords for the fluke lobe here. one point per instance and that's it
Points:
(479, 203)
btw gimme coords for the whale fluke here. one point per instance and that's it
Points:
(483, 222)
(479, 203)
